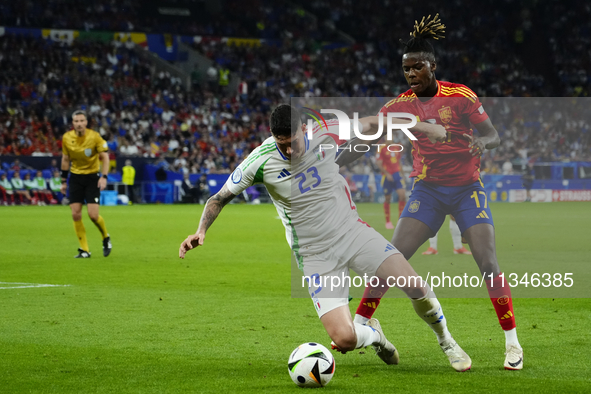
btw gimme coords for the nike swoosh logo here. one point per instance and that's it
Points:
(516, 364)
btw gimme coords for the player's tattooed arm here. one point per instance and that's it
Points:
(212, 209)
(214, 206)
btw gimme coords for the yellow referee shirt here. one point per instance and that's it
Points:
(83, 151)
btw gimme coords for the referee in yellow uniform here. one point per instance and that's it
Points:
(83, 148)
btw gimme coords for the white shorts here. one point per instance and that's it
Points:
(362, 249)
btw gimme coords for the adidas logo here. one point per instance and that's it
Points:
(370, 304)
(389, 247)
(507, 315)
(482, 215)
(283, 174)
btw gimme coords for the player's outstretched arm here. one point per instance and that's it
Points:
(435, 132)
(212, 209)
(370, 125)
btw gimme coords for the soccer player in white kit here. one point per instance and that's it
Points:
(325, 232)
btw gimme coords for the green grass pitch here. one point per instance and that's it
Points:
(223, 320)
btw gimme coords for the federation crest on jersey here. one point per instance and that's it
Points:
(445, 114)
(319, 153)
(414, 206)
(237, 175)
(88, 152)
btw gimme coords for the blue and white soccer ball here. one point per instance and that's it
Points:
(311, 365)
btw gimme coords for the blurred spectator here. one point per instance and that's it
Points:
(507, 167)
(55, 184)
(19, 187)
(7, 190)
(528, 180)
(128, 179)
(31, 187)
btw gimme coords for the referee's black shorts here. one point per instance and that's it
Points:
(84, 188)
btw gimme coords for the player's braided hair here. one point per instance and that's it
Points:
(427, 29)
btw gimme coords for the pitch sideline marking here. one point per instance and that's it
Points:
(27, 285)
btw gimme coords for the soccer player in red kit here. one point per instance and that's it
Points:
(447, 177)
(392, 180)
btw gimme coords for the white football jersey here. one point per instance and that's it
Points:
(311, 197)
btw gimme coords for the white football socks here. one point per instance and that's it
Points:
(430, 311)
(360, 319)
(433, 242)
(456, 235)
(511, 338)
(366, 335)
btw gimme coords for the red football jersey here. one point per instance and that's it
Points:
(391, 160)
(455, 107)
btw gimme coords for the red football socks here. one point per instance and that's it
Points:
(387, 210)
(371, 299)
(500, 296)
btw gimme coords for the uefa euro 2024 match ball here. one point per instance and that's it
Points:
(311, 365)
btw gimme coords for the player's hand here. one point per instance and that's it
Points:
(102, 183)
(389, 177)
(63, 188)
(476, 145)
(435, 133)
(191, 242)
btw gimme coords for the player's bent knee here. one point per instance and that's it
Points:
(346, 340)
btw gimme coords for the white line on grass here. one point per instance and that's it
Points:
(26, 285)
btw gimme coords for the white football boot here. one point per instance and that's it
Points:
(384, 348)
(514, 358)
(458, 358)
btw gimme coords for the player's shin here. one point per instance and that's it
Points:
(387, 209)
(370, 301)
(100, 224)
(81, 234)
(401, 205)
(429, 309)
(500, 296)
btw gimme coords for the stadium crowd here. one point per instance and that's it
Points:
(140, 111)
(234, 18)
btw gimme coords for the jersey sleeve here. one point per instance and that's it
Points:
(474, 110)
(249, 172)
(64, 146)
(101, 144)
(398, 104)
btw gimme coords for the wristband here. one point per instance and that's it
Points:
(105, 176)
